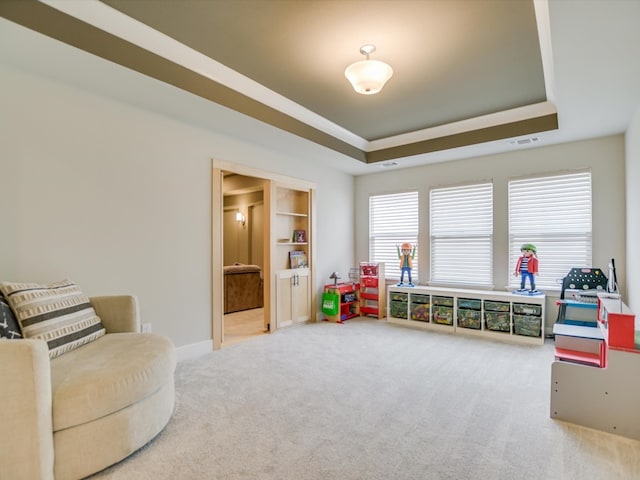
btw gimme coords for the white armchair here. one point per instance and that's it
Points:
(76, 414)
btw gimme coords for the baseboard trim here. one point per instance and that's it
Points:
(194, 350)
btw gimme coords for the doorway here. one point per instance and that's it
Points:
(263, 228)
(243, 225)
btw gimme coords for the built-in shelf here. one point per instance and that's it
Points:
(497, 315)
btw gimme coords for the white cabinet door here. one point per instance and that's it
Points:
(301, 308)
(292, 292)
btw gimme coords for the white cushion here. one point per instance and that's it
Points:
(108, 375)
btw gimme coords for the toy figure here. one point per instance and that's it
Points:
(406, 253)
(527, 266)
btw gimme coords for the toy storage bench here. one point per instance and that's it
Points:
(498, 315)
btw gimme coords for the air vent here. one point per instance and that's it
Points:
(525, 141)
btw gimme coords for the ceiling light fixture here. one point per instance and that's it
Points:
(368, 76)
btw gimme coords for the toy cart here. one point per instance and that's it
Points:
(579, 296)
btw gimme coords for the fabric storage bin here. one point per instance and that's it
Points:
(443, 315)
(369, 282)
(498, 321)
(471, 303)
(420, 312)
(398, 297)
(419, 298)
(444, 301)
(527, 325)
(469, 318)
(497, 306)
(398, 309)
(527, 309)
(369, 270)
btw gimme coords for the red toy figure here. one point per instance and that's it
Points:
(406, 255)
(527, 266)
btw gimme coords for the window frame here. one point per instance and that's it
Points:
(385, 239)
(551, 239)
(456, 274)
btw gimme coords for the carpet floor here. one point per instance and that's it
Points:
(369, 400)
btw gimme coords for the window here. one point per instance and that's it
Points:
(554, 214)
(393, 220)
(462, 234)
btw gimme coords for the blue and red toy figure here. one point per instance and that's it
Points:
(406, 253)
(527, 267)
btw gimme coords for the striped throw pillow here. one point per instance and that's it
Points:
(9, 327)
(58, 313)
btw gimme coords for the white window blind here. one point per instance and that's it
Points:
(393, 220)
(554, 214)
(462, 234)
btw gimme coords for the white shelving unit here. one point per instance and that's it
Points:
(292, 213)
(293, 286)
(498, 315)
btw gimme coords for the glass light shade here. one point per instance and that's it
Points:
(368, 76)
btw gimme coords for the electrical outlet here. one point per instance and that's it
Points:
(146, 328)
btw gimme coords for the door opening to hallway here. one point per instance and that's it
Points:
(243, 257)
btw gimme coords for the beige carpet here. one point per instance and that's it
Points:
(368, 400)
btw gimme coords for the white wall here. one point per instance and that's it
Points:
(632, 164)
(604, 156)
(118, 198)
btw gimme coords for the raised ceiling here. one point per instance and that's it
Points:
(465, 71)
(451, 63)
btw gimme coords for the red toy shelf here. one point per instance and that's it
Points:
(349, 306)
(372, 293)
(617, 323)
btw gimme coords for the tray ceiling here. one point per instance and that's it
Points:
(465, 72)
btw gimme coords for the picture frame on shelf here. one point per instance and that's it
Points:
(298, 259)
(299, 236)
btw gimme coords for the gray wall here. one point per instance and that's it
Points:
(118, 198)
